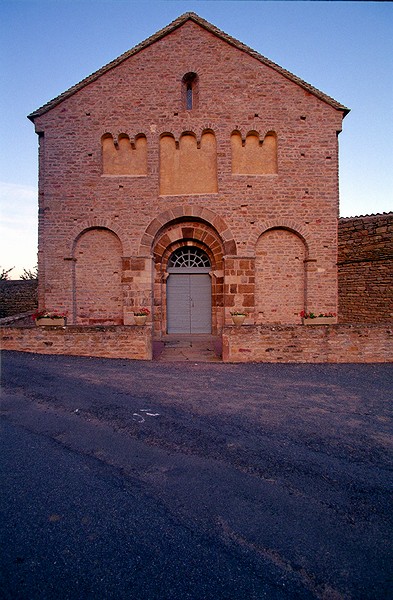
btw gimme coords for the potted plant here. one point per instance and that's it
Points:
(141, 315)
(238, 316)
(315, 318)
(50, 318)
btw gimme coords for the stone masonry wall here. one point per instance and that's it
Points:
(308, 344)
(365, 269)
(142, 96)
(131, 342)
(17, 296)
(248, 343)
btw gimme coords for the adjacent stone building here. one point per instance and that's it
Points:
(192, 176)
(365, 269)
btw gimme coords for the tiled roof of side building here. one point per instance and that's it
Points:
(370, 216)
(165, 31)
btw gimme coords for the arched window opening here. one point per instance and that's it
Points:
(190, 91)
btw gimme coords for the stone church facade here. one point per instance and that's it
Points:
(194, 177)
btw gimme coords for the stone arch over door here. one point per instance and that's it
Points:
(195, 233)
(97, 288)
(193, 213)
(280, 276)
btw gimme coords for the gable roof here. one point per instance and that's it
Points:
(189, 16)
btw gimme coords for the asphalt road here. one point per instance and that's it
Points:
(136, 480)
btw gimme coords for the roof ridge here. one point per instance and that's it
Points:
(165, 31)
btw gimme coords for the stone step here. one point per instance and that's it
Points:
(187, 348)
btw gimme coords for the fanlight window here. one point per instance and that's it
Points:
(189, 257)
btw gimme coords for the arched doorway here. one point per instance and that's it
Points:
(189, 291)
(189, 232)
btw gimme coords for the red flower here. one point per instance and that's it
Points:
(142, 312)
(50, 314)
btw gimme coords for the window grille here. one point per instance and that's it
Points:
(190, 91)
(189, 257)
(189, 96)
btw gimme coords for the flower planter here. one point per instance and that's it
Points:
(238, 319)
(140, 319)
(50, 322)
(319, 321)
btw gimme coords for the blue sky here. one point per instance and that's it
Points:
(344, 49)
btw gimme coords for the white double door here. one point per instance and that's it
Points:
(189, 303)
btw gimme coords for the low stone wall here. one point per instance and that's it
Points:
(130, 342)
(18, 296)
(248, 343)
(314, 344)
(21, 320)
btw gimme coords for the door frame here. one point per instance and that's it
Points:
(188, 271)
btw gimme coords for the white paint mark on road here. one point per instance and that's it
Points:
(141, 419)
(146, 412)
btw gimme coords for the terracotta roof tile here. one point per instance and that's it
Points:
(370, 216)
